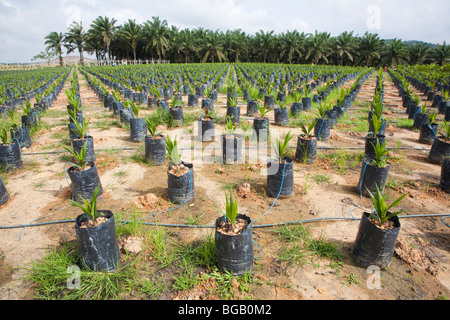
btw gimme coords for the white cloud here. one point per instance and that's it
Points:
(25, 23)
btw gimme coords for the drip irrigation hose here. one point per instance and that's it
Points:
(279, 192)
(360, 193)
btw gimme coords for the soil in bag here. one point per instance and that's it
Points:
(445, 174)
(84, 183)
(234, 246)
(206, 129)
(261, 128)
(439, 150)
(23, 136)
(428, 132)
(155, 150)
(138, 129)
(77, 145)
(322, 129)
(306, 151)
(180, 182)
(371, 177)
(10, 156)
(232, 148)
(4, 195)
(234, 113)
(281, 116)
(98, 247)
(280, 178)
(374, 245)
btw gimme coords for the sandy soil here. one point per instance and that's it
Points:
(420, 271)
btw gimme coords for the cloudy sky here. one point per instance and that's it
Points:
(25, 23)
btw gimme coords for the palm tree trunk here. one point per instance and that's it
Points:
(80, 49)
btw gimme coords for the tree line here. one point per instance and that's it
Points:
(155, 39)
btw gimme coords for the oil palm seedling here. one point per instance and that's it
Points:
(138, 130)
(29, 118)
(80, 137)
(206, 126)
(180, 174)
(261, 124)
(322, 129)
(19, 133)
(233, 110)
(378, 232)
(176, 111)
(429, 129)
(83, 174)
(374, 171)
(280, 170)
(306, 150)
(10, 154)
(441, 145)
(231, 144)
(98, 247)
(281, 113)
(297, 105)
(376, 135)
(233, 239)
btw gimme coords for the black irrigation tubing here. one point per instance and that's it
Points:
(219, 148)
(441, 215)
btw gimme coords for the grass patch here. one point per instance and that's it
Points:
(405, 123)
(342, 160)
(301, 247)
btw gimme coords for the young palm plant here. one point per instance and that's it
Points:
(281, 146)
(307, 126)
(377, 125)
(446, 133)
(230, 128)
(382, 214)
(4, 136)
(81, 129)
(262, 110)
(381, 151)
(151, 126)
(172, 151)
(79, 156)
(90, 207)
(134, 108)
(231, 208)
(27, 108)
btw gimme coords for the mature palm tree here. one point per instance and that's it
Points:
(103, 29)
(186, 43)
(130, 32)
(76, 39)
(55, 42)
(237, 43)
(441, 54)
(319, 47)
(345, 46)
(291, 43)
(156, 33)
(395, 52)
(419, 53)
(214, 46)
(264, 41)
(370, 47)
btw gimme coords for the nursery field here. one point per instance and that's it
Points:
(302, 242)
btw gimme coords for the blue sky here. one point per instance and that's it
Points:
(25, 23)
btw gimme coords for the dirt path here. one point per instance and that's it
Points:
(40, 189)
